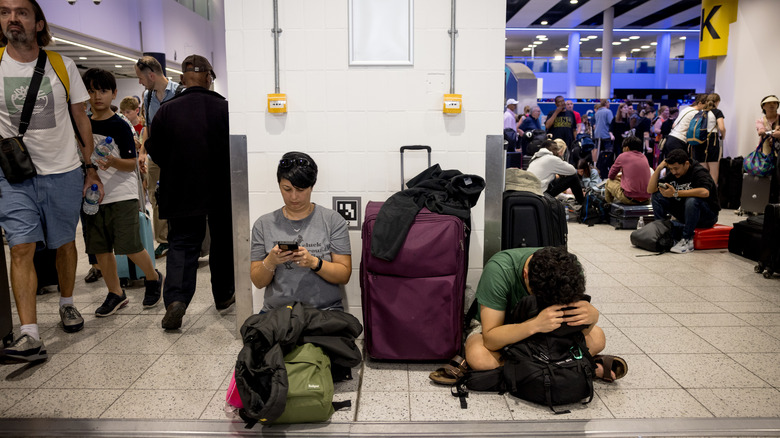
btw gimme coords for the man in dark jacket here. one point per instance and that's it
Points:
(688, 193)
(190, 143)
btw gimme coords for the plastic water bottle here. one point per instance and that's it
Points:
(641, 222)
(103, 149)
(90, 205)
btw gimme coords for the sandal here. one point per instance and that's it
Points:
(451, 372)
(615, 364)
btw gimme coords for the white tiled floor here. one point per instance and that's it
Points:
(701, 334)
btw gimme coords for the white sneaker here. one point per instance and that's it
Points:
(683, 246)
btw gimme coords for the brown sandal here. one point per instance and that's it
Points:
(615, 364)
(451, 372)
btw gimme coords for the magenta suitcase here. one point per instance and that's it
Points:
(413, 306)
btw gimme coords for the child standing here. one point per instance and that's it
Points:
(115, 227)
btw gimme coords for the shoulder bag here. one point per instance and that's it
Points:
(15, 159)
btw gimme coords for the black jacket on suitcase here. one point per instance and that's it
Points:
(530, 220)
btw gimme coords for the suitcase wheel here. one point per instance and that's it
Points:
(768, 273)
(8, 339)
(759, 268)
(124, 282)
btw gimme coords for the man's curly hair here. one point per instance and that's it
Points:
(556, 277)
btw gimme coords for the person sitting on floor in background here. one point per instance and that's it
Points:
(551, 274)
(589, 175)
(688, 193)
(628, 177)
(321, 258)
(555, 174)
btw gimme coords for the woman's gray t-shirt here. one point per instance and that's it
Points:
(323, 232)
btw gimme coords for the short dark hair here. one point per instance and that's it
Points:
(677, 156)
(99, 79)
(633, 143)
(299, 168)
(556, 277)
(674, 110)
(551, 145)
(43, 37)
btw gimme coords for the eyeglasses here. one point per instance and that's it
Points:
(290, 162)
(143, 65)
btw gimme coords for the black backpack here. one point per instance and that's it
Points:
(595, 210)
(547, 368)
(655, 236)
(532, 141)
(510, 136)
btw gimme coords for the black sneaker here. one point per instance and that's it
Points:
(173, 315)
(153, 293)
(161, 250)
(25, 349)
(112, 303)
(71, 318)
(93, 275)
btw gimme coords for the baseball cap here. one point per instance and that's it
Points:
(197, 63)
(522, 181)
(511, 102)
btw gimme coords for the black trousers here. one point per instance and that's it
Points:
(185, 236)
(560, 184)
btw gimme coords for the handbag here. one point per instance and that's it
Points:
(757, 163)
(15, 160)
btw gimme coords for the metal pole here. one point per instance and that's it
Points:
(239, 198)
(453, 32)
(276, 31)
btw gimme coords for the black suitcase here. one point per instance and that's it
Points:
(626, 217)
(530, 220)
(755, 193)
(6, 322)
(769, 257)
(45, 262)
(745, 238)
(730, 182)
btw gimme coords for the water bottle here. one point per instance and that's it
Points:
(103, 149)
(641, 222)
(90, 205)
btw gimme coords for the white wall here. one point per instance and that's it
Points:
(352, 120)
(748, 72)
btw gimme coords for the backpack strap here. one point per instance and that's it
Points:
(59, 68)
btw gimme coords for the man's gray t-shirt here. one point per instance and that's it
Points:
(323, 232)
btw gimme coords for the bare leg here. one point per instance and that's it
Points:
(110, 276)
(143, 261)
(24, 281)
(478, 356)
(66, 268)
(596, 341)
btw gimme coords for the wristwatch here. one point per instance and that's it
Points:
(319, 266)
(676, 194)
(89, 166)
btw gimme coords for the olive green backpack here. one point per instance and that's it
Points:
(310, 390)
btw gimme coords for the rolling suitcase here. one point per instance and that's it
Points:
(530, 220)
(746, 237)
(127, 270)
(755, 193)
(730, 182)
(6, 321)
(716, 237)
(413, 306)
(626, 217)
(769, 256)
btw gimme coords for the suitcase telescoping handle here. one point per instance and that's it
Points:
(416, 147)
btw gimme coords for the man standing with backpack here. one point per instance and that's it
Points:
(557, 280)
(691, 126)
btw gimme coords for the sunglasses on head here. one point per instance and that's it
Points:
(287, 163)
(143, 65)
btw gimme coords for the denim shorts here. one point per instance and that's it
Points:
(43, 209)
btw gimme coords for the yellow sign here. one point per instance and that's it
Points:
(716, 15)
(453, 103)
(277, 103)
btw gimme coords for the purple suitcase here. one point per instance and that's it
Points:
(413, 306)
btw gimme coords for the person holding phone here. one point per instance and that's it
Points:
(300, 252)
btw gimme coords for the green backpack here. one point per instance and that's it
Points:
(310, 386)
